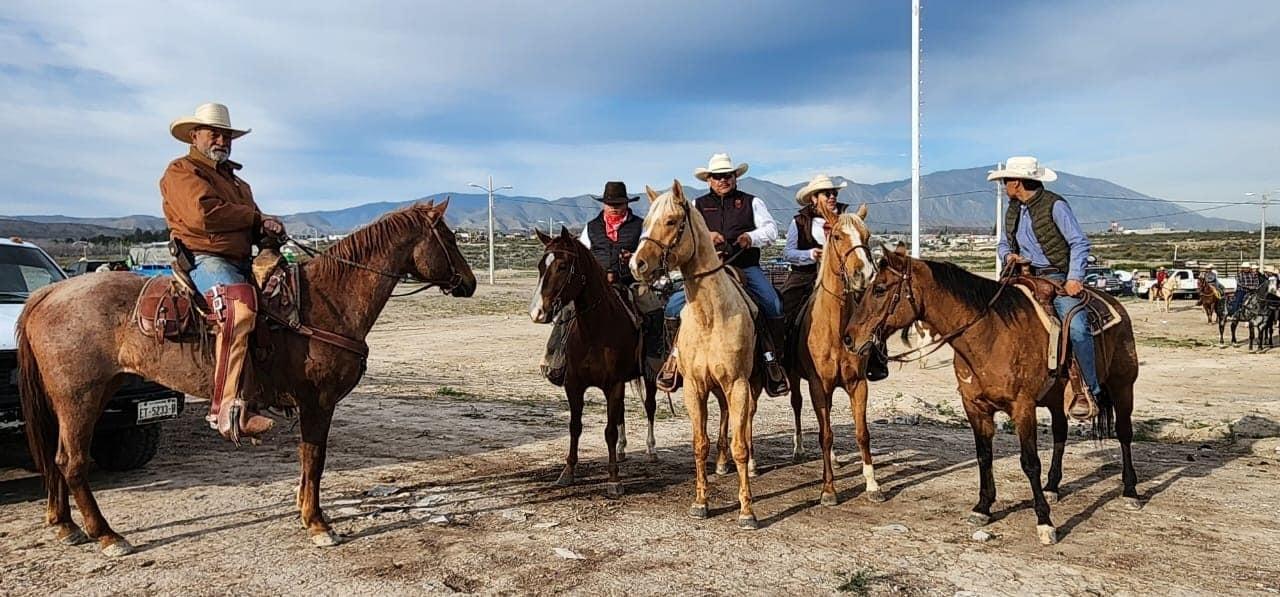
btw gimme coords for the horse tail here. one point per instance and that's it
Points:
(1104, 423)
(41, 422)
(637, 386)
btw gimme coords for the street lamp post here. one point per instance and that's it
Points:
(1262, 231)
(489, 189)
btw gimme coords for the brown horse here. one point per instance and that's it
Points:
(77, 339)
(1210, 300)
(1001, 359)
(602, 348)
(843, 274)
(716, 344)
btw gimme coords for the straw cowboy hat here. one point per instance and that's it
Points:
(211, 115)
(1246, 265)
(615, 193)
(821, 182)
(1270, 269)
(1023, 167)
(719, 164)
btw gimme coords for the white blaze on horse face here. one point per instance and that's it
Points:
(536, 304)
(854, 232)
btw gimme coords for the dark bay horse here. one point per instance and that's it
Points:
(1001, 360)
(1256, 311)
(602, 347)
(77, 339)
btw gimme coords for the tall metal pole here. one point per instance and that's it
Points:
(490, 190)
(1262, 236)
(915, 128)
(999, 220)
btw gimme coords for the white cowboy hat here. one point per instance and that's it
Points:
(719, 164)
(1270, 269)
(211, 115)
(1023, 167)
(821, 182)
(1245, 265)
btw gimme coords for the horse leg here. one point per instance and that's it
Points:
(1051, 490)
(1024, 418)
(741, 409)
(797, 401)
(58, 511)
(751, 430)
(821, 399)
(575, 395)
(614, 404)
(1123, 400)
(984, 429)
(74, 436)
(722, 442)
(695, 403)
(314, 423)
(650, 411)
(858, 404)
(622, 432)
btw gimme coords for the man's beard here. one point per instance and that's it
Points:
(217, 154)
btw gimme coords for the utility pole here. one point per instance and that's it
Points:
(999, 220)
(489, 189)
(1262, 232)
(915, 128)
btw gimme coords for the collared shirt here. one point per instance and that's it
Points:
(1249, 279)
(797, 256)
(1030, 246)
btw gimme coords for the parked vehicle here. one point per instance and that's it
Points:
(85, 266)
(128, 432)
(1102, 278)
(1186, 283)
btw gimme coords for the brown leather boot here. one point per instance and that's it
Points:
(771, 341)
(1079, 403)
(236, 307)
(553, 365)
(668, 379)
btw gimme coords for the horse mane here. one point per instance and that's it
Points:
(375, 237)
(974, 291)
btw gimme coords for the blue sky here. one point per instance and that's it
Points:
(351, 105)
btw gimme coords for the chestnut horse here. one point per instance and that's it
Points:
(843, 274)
(1210, 300)
(602, 349)
(1001, 360)
(77, 339)
(716, 344)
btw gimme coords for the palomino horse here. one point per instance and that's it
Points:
(1163, 293)
(1001, 359)
(717, 339)
(602, 346)
(77, 339)
(1210, 300)
(843, 274)
(1256, 312)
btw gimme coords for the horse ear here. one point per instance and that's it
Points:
(445, 205)
(542, 238)
(653, 195)
(564, 233)
(430, 204)
(862, 212)
(677, 191)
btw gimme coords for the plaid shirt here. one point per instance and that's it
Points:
(1249, 280)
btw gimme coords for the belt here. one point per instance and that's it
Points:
(1044, 271)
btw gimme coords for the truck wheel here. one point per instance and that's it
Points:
(125, 449)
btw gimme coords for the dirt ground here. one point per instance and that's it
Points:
(454, 422)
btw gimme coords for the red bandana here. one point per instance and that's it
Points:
(613, 223)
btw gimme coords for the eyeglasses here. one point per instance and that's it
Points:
(723, 175)
(830, 193)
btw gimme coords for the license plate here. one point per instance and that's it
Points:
(157, 409)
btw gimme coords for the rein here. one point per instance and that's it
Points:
(445, 287)
(665, 263)
(558, 304)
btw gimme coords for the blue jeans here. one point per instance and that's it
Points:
(1081, 339)
(212, 270)
(757, 286)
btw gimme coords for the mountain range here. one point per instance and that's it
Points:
(953, 198)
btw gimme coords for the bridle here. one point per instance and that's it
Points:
(664, 264)
(446, 286)
(580, 277)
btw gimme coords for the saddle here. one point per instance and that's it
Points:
(1099, 313)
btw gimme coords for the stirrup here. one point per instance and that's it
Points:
(668, 378)
(776, 385)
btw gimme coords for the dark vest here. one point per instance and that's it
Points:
(804, 233)
(731, 217)
(1051, 240)
(609, 253)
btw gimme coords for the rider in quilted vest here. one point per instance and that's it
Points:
(1042, 230)
(212, 212)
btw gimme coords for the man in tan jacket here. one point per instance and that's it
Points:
(211, 210)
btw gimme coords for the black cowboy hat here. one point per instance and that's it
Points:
(615, 193)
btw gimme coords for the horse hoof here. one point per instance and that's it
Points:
(698, 510)
(1051, 497)
(797, 457)
(979, 519)
(876, 496)
(1133, 503)
(118, 549)
(324, 539)
(1048, 535)
(622, 457)
(614, 489)
(651, 456)
(722, 468)
(751, 473)
(748, 522)
(565, 479)
(829, 499)
(74, 536)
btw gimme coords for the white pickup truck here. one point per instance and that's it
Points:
(1186, 282)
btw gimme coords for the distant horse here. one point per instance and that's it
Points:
(1164, 293)
(1210, 300)
(843, 274)
(1001, 359)
(77, 341)
(716, 344)
(602, 346)
(1256, 312)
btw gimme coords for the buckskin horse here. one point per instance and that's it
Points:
(1001, 360)
(717, 339)
(843, 274)
(603, 348)
(77, 339)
